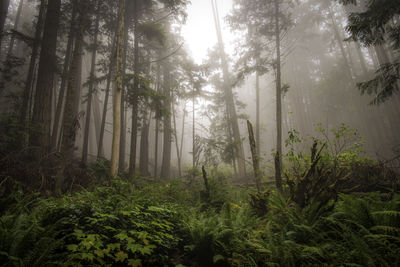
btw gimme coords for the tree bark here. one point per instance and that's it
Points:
(44, 86)
(176, 140)
(167, 136)
(258, 140)
(256, 163)
(278, 155)
(56, 132)
(157, 125)
(31, 71)
(132, 157)
(118, 87)
(70, 120)
(90, 93)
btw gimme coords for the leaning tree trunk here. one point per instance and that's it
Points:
(118, 87)
(176, 140)
(31, 70)
(229, 100)
(90, 93)
(44, 86)
(278, 155)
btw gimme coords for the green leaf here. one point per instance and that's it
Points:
(217, 258)
(135, 262)
(121, 256)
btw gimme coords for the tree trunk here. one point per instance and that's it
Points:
(44, 86)
(32, 63)
(132, 157)
(100, 150)
(166, 160)
(278, 156)
(3, 15)
(64, 79)
(90, 93)
(256, 163)
(70, 121)
(176, 140)
(258, 140)
(118, 87)
(122, 149)
(157, 115)
(230, 103)
(144, 147)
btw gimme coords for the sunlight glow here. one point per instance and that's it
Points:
(199, 31)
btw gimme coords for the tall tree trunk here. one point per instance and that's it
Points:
(258, 140)
(144, 146)
(3, 15)
(167, 136)
(193, 132)
(176, 140)
(70, 121)
(132, 157)
(230, 103)
(44, 86)
(182, 138)
(90, 93)
(118, 87)
(56, 132)
(32, 63)
(100, 150)
(278, 156)
(157, 125)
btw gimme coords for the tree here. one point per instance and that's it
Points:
(3, 15)
(44, 86)
(229, 100)
(376, 25)
(263, 20)
(118, 87)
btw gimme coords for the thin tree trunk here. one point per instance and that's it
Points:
(193, 134)
(90, 93)
(176, 140)
(144, 147)
(132, 158)
(118, 87)
(122, 149)
(182, 137)
(100, 151)
(167, 136)
(44, 87)
(230, 103)
(32, 63)
(258, 140)
(278, 156)
(64, 79)
(157, 126)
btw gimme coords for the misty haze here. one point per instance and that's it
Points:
(199, 133)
